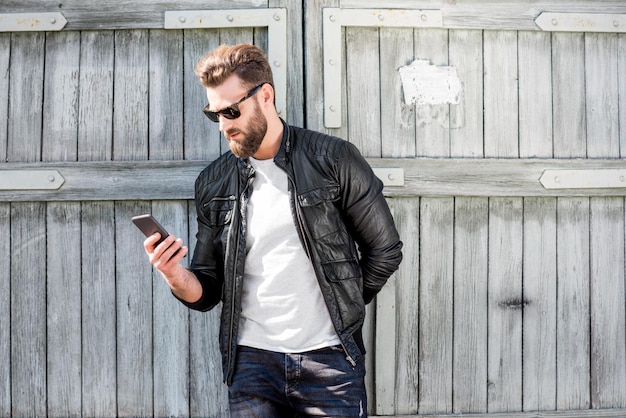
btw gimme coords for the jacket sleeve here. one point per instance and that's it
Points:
(207, 261)
(369, 219)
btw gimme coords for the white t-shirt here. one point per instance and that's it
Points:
(282, 306)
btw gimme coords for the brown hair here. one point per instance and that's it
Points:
(247, 61)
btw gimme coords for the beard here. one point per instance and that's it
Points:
(250, 137)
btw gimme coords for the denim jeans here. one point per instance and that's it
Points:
(319, 383)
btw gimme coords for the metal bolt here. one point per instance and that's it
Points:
(381, 17)
(277, 17)
(276, 63)
(616, 23)
(555, 22)
(230, 18)
(51, 178)
(53, 20)
(182, 19)
(331, 18)
(557, 179)
(331, 62)
(391, 177)
(424, 18)
(332, 108)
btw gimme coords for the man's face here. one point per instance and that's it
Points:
(245, 133)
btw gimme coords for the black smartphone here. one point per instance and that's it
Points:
(149, 226)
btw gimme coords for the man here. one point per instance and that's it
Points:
(294, 238)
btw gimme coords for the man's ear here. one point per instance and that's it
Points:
(268, 93)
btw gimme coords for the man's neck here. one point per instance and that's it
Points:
(272, 140)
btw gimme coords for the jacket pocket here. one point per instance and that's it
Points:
(219, 210)
(344, 278)
(314, 197)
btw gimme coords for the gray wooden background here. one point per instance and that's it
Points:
(511, 298)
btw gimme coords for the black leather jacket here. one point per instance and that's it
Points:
(337, 204)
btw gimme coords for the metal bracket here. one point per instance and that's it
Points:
(581, 22)
(390, 176)
(274, 19)
(335, 19)
(30, 180)
(601, 178)
(32, 22)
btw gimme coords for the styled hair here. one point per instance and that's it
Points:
(247, 61)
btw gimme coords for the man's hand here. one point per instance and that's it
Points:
(166, 257)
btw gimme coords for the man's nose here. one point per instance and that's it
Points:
(224, 123)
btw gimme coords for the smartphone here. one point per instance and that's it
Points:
(149, 226)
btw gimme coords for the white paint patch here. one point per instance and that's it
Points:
(427, 84)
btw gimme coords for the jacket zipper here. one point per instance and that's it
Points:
(234, 278)
(309, 254)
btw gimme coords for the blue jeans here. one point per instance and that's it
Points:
(319, 383)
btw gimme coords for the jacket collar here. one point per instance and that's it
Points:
(284, 152)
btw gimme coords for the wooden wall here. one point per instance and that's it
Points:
(511, 297)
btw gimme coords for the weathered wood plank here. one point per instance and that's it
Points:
(505, 305)
(166, 94)
(535, 98)
(26, 93)
(569, 137)
(568, 95)
(501, 94)
(540, 301)
(608, 319)
(621, 73)
(5, 310)
(28, 233)
(63, 238)
(466, 118)
(202, 137)
(601, 95)
(436, 305)
(134, 300)
(135, 373)
(28, 310)
(363, 90)
(170, 318)
(470, 304)
(573, 349)
(170, 325)
(61, 92)
(5, 53)
(584, 413)
(95, 120)
(99, 326)
(397, 117)
(432, 120)
(64, 348)
(386, 362)
(539, 239)
(130, 102)
(407, 299)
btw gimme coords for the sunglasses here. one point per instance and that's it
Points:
(230, 112)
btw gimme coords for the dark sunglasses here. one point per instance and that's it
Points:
(230, 112)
